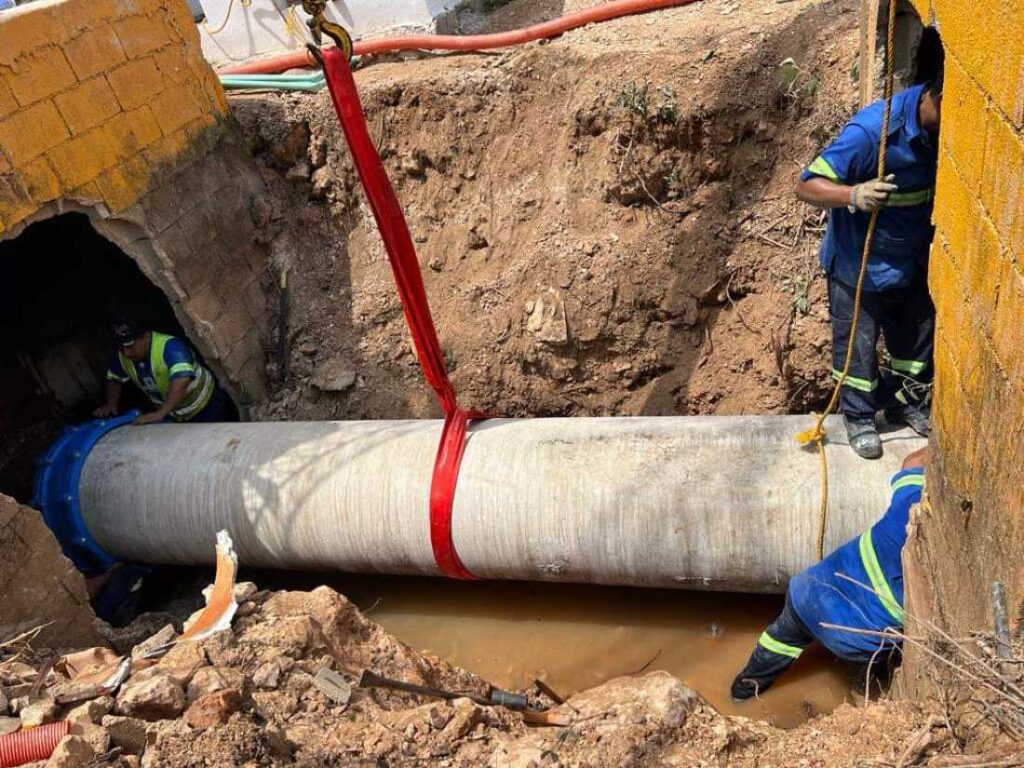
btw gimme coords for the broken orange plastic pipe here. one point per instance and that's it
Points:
(547, 29)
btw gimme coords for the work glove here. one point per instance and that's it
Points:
(872, 195)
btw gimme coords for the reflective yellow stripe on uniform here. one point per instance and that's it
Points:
(909, 367)
(877, 578)
(907, 199)
(181, 368)
(200, 390)
(907, 481)
(820, 167)
(769, 643)
(864, 385)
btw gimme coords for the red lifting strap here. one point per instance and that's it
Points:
(406, 268)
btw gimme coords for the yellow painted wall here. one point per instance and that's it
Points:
(95, 97)
(974, 532)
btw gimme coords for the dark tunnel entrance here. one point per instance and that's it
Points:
(63, 283)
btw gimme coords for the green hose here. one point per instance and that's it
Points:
(306, 83)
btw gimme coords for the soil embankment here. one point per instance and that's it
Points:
(606, 222)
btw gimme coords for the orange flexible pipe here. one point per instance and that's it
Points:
(553, 28)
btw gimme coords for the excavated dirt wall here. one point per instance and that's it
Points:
(605, 222)
(39, 587)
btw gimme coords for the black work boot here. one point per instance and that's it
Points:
(864, 438)
(743, 688)
(913, 416)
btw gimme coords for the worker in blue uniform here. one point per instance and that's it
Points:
(165, 369)
(895, 301)
(857, 587)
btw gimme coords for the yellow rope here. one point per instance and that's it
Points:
(817, 433)
(227, 17)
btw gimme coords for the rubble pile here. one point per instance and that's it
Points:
(250, 695)
(257, 694)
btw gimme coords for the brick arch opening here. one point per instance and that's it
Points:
(66, 275)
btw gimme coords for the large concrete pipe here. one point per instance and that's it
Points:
(728, 503)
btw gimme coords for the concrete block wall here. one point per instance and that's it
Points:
(972, 531)
(94, 97)
(108, 107)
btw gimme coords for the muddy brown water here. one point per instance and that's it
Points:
(575, 637)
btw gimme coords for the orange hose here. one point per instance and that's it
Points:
(31, 745)
(547, 29)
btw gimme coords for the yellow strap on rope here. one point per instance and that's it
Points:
(816, 434)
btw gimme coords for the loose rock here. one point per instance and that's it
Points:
(126, 733)
(38, 713)
(334, 376)
(158, 698)
(71, 752)
(214, 708)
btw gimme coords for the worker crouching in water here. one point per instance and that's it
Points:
(895, 300)
(858, 587)
(165, 370)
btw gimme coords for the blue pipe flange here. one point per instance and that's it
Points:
(55, 491)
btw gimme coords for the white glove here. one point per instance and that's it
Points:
(872, 195)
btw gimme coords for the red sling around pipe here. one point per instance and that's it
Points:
(547, 29)
(406, 269)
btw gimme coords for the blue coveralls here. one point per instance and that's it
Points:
(870, 597)
(895, 301)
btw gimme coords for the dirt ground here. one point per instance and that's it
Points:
(606, 221)
(249, 696)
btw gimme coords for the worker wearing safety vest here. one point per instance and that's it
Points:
(846, 601)
(895, 300)
(165, 369)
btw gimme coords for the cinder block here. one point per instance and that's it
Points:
(1002, 189)
(87, 194)
(21, 33)
(963, 128)
(943, 278)
(234, 324)
(130, 132)
(15, 203)
(136, 83)
(1002, 73)
(174, 108)
(96, 51)
(70, 19)
(87, 105)
(140, 35)
(8, 103)
(982, 270)
(83, 158)
(1008, 328)
(40, 181)
(204, 306)
(196, 271)
(247, 348)
(27, 134)
(173, 62)
(124, 184)
(952, 208)
(969, 36)
(165, 206)
(40, 75)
